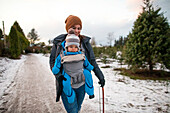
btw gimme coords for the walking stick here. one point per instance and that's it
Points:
(103, 97)
(99, 101)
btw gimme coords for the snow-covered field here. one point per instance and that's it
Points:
(122, 94)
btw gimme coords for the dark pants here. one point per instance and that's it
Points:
(76, 105)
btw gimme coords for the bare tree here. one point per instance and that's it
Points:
(33, 36)
(93, 42)
(110, 37)
(50, 41)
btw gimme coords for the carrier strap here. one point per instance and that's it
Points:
(72, 58)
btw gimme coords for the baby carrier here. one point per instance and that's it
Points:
(76, 74)
(73, 66)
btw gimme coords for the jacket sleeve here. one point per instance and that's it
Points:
(87, 65)
(52, 56)
(92, 60)
(57, 65)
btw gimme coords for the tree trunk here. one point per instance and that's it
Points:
(150, 67)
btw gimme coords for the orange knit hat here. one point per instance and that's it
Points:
(72, 21)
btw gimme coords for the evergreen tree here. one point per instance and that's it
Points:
(19, 28)
(1, 34)
(148, 43)
(1, 42)
(24, 43)
(15, 49)
(121, 41)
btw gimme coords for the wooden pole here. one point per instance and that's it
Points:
(99, 101)
(4, 34)
(103, 97)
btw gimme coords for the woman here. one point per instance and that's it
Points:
(74, 23)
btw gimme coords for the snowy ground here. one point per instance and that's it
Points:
(8, 70)
(122, 94)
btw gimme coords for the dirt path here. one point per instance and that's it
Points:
(33, 90)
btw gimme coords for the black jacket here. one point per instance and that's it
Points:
(88, 52)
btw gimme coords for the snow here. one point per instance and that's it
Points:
(8, 70)
(122, 94)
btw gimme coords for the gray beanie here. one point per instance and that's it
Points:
(72, 39)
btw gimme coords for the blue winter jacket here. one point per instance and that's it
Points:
(57, 65)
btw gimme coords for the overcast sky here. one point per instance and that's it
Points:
(99, 17)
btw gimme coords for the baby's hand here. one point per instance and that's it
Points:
(71, 31)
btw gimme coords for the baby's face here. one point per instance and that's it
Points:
(72, 48)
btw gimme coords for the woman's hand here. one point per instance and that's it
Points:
(102, 82)
(71, 31)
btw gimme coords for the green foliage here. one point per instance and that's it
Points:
(5, 50)
(44, 52)
(98, 51)
(41, 44)
(15, 49)
(1, 34)
(48, 48)
(104, 59)
(1, 43)
(17, 41)
(110, 51)
(121, 42)
(1, 47)
(19, 29)
(148, 43)
(24, 43)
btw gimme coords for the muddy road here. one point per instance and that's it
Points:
(33, 90)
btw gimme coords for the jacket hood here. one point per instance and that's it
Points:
(59, 38)
(63, 44)
(85, 38)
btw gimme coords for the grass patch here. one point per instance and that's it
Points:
(143, 74)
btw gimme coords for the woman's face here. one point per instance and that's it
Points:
(77, 30)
